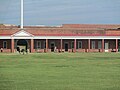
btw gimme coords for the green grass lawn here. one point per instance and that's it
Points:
(60, 71)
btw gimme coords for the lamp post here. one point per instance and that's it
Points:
(22, 18)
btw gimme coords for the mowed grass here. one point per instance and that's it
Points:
(60, 71)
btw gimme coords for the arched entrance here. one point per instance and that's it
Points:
(22, 43)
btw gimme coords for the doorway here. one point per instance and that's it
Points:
(66, 46)
(52, 46)
(22, 44)
(106, 47)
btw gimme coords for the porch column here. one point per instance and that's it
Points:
(32, 45)
(116, 45)
(103, 45)
(61, 45)
(74, 45)
(88, 45)
(12, 45)
(46, 45)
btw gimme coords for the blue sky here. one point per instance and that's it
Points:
(57, 12)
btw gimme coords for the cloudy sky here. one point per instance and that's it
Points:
(57, 12)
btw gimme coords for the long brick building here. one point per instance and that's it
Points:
(65, 38)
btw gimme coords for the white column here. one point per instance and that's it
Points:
(22, 6)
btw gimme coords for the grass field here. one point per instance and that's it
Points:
(60, 71)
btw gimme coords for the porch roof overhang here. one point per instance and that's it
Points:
(26, 35)
(59, 37)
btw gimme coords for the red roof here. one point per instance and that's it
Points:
(66, 30)
(102, 26)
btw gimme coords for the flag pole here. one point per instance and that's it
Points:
(22, 18)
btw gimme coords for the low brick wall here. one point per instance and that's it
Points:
(95, 50)
(40, 50)
(80, 50)
(6, 50)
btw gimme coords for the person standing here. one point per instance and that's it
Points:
(55, 49)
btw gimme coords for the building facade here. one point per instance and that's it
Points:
(65, 38)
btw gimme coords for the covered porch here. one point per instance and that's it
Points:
(47, 43)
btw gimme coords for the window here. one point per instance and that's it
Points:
(44, 44)
(99, 44)
(72, 44)
(79, 44)
(38, 45)
(5, 44)
(93, 44)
